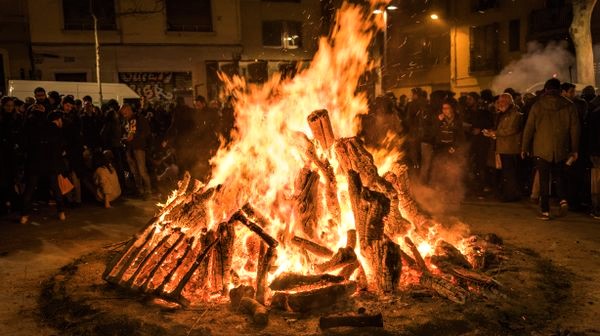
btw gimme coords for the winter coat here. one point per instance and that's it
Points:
(449, 133)
(140, 129)
(111, 130)
(35, 142)
(552, 128)
(74, 142)
(508, 132)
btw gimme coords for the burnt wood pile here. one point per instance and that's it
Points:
(180, 256)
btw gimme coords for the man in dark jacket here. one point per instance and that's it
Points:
(45, 158)
(136, 139)
(110, 135)
(552, 130)
(74, 146)
(11, 125)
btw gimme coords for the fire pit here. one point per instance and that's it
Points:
(299, 220)
(299, 214)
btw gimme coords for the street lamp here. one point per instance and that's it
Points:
(434, 16)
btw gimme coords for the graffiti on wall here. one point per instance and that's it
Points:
(150, 85)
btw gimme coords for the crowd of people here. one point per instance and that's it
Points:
(63, 150)
(507, 146)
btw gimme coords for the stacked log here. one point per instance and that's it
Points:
(306, 199)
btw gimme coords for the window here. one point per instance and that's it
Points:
(185, 15)
(484, 48)
(282, 34)
(77, 14)
(514, 35)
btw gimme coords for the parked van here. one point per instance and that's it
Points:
(118, 91)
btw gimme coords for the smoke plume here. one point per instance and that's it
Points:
(537, 65)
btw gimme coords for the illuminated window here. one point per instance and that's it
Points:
(282, 34)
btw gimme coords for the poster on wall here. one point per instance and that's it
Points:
(158, 86)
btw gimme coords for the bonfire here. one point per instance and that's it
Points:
(298, 213)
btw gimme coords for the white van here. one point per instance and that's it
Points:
(118, 91)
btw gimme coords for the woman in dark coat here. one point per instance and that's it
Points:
(46, 159)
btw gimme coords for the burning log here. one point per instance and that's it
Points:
(392, 265)
(351, 239)
(177, 292)
(222, 267)
(240, 217)
(163, 275)
(237, 293)
(474, 277)
(306, 198)
(312, 247)
(115, 269)
(347, 271)
(418, 258)
(342, 258)
(446, 254)
(327, 322)
(370, 208)
(287, 281)
(395, 224)
(352, 155)
(155, 260)
(318, 298)
(321, 128)
(333, 205)
(409, 208)
(444, 288)
(264, 265)
(408, 260)
(259, 313)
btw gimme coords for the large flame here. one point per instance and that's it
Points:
(268, 148)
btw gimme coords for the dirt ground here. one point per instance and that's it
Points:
(556, 273)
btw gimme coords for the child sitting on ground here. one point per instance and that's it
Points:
(106, 180)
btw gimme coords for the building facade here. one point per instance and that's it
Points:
(169, 48)
(15, 52)
(468, 43)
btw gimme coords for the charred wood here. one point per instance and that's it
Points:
(312, 247)
(343, 257)
(224, 249)
(176, 294)
(264, 266)
(447, 254)
(240, 217)
(155, 260)
(164, 275)
(237, 293)
(115, 269)
(444, 288)
(255, 309)
(321, 128)
(306, 199)
(418, 258)
(310, 300)
(287, 281)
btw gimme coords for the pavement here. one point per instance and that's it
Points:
(30, 253)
